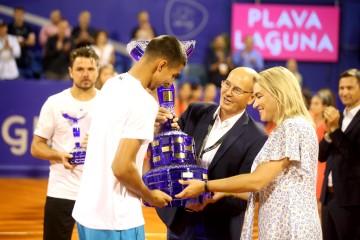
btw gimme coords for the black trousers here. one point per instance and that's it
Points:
(58, 222)
(205, 226)
(339, 223)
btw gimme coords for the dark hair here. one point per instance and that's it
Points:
(353, 72)
(18, 8)
(85, 52)
(167, 47)
(195, 86)
(327, 97)
(98, 32)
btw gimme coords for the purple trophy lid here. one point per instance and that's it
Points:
(137, 48)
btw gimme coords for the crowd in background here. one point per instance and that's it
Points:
(46, 55)
(19, 58)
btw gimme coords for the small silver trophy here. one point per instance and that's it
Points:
(78, 151)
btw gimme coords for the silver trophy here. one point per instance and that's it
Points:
(78, 152)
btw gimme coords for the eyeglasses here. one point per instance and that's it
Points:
(226, 85)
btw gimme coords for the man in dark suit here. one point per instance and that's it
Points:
(340, 148)
(227, 141)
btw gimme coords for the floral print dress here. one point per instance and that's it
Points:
(287, 206)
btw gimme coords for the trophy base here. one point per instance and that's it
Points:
(182, 202)
(167, 179)
(78, 157)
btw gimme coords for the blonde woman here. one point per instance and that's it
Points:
(283, 174)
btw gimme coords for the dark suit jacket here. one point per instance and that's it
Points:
(342, 157)
(234, 156)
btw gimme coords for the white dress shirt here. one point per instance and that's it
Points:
(218, 130)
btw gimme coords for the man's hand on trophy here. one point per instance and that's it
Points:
(159, 199)
(219, 195)
(64, 158)
(162, 116)
(194, 205)
(174, 123)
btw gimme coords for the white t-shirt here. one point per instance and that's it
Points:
(58, 130)
(124, 110)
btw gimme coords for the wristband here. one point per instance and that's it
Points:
(206, 187)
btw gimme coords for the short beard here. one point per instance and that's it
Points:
(84, 88)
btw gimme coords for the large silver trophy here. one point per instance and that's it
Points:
(172, 153)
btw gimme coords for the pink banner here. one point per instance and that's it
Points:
(280, 32)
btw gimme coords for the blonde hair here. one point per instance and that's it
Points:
(98, 83)
(283, 86)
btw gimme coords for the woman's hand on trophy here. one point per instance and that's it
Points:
(159, 199)
(194, 188)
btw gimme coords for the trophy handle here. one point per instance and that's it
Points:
(137, 48)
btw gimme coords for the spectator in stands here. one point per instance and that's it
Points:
(144, 25)
(144, 33)
(307, 95)
(103, 48)
(210, 93)
(218, 60)
(83, 34)
(50, 29)
(340, 148)
(9, 50)
(105, 72)
(249, 56)
(292, 65)
(57, 129)
(322, 99)
(57, 53)
(26, 38)
(183, 98)
(196, 92)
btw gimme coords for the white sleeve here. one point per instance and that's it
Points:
(140, 122)
(16, 50)
(45, 125)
